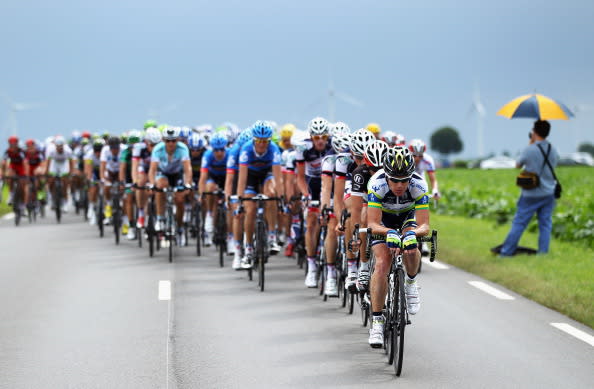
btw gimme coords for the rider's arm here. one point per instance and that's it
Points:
(134, 170)
(289, 183)
(339, 185)
(326, 190)
(242, 180)
(422, 217)
(187, 172)
(202, 182)
(433, 181)
(276, 172)
(122, 172)
(356, 207)
(301, 183)
(228, 181)
(102, 165)
(88, 166)
(152, 176)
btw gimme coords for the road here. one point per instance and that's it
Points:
(79, 312)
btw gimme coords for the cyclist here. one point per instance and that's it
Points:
(309, 169)
(373, 158)
(397, 201)
(126, 176)
(285, 133)
(59, 162)
(424, 163)
(35, 159)
(170, 167)
(14, 165)
(375, 129)
(109, 171)
(400, 140)
(212, 178)
(92, 173)
(141, 163)
(390, 137)
(259, 172)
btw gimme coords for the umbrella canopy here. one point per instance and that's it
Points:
(535, 106)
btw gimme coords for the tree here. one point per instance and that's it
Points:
(587, 148)
(445, 140)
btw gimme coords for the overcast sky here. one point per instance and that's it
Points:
(110, 65)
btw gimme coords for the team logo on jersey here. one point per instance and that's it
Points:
(358, 179)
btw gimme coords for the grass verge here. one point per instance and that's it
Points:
(561, 280)
(4, 209)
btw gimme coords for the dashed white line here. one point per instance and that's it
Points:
(164, 290)
(435, 264)
(491, 290)
(571, 330)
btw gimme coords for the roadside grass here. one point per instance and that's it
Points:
(4, 208)
(562, 280)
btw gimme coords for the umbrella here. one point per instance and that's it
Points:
(535, 106)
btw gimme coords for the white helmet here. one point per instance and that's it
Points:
(171, 133)
(375, 152)
(417, 147)
(59, 141)
(341, 142)
(153, 135)
(400, 141)
(318, 126)
(339, 127)
(299, 138)
(359, 141)
(390, 137)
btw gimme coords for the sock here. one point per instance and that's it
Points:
(364, 266)
(311, 262)
(331, 270)
(125, 220)
(352, 264)
(237, 245)
(410, 279)
(377, 314)
(141, 212)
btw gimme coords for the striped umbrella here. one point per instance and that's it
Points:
(535, 106)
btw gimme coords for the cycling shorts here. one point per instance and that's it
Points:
(18, 169)
(255, 181)
(315, 187)
(219, 180)
(59, 168)
(397, 222)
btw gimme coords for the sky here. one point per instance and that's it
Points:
(111, 65)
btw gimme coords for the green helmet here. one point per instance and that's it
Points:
(162, 127)
(134, 136)
(150, 123)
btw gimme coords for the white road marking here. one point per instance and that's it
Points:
(571, 330)
(164, 290)
(491, 290)
(435, 264)
(8, 216)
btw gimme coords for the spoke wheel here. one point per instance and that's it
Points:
(399, 323)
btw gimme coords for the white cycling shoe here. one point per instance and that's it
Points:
(230, 247)
(236, 261)
(310, 279)
(331, 287)
(376, 333)
(413, 301)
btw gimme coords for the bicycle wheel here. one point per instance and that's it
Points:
(261, 252)
(221, 235)
(170, 234)
(116, 220)
(16, 205)
(392, 298)
(100, 217)
(399, 322)
(364, 306)
(197, 229)
(58, 199)
(150, 233)
(351, 301)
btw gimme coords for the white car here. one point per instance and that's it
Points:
(498, 162)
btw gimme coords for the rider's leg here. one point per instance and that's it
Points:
(379, 278)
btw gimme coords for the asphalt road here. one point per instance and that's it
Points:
(79, 312)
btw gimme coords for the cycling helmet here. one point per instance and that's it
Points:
(261, 129)
(390, 137)
(30, 142)
(12, 140)
(299, 138)
(76, 137)
(340, 127)
(375, 152)
(98, 144)
(196, 142)
(245, 136)
(417, 147)
(318, 126)
(359, 141)
(84, 141)
(86, 134)
(134, 136)
(113, 142)
(287, 130)
(184, 132)
(341, 142)
(59, 141)
(218, 141)
(124, 137)
(150, 123)
(374, 128)
(171, 133)
(400, 141)
(399, 162)
(153, 135)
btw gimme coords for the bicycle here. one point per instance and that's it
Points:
(342, 267)
(321, 250)
(116, 209)
(57, 197)
(220, 227)
(261, 236)
(395, 311)
(33, 204)
(197, 229)
(300, 248)
(151, 234)
(170, 233)
(19, 193)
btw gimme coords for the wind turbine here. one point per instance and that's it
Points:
(157, 113)
(330, 96)
(478, 108)
(13, 108)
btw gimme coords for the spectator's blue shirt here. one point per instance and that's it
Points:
(259, 163)
(212, 165)
(173, 164)
(533, 161)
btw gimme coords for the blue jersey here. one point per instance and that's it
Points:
(259, 163)
(214, 166)
(233, 158)
(173, 164)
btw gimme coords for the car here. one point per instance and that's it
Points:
(498, 162)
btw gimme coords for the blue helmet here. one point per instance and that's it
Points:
(218, 141)
(196, 142)
(261, 129)
(184, 132)
(245, 136)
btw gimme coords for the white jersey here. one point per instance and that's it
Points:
(112, 162)
(380, 195)
(90, 156)
(426, 164)
(52, 154)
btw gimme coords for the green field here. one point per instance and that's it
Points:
(475, 214)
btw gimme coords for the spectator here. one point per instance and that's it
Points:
(539, 200)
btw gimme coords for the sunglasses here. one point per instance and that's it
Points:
(261, 140)
(171, 141)
(399, 180)
(218, 150)
(318, 137)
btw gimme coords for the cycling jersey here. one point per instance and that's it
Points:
(141, 154)
(126, 157)
(213, 166)
(380, 196)
(259, 163)
(344, 166)
(328, 164)
(361, 176)
(59, 162)
(16, 159)
(287, 158)
(34, 158)
(233, 158)
(426, 164)
(112, 162)
(312, 158)
(92, 158)
(170, 164)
